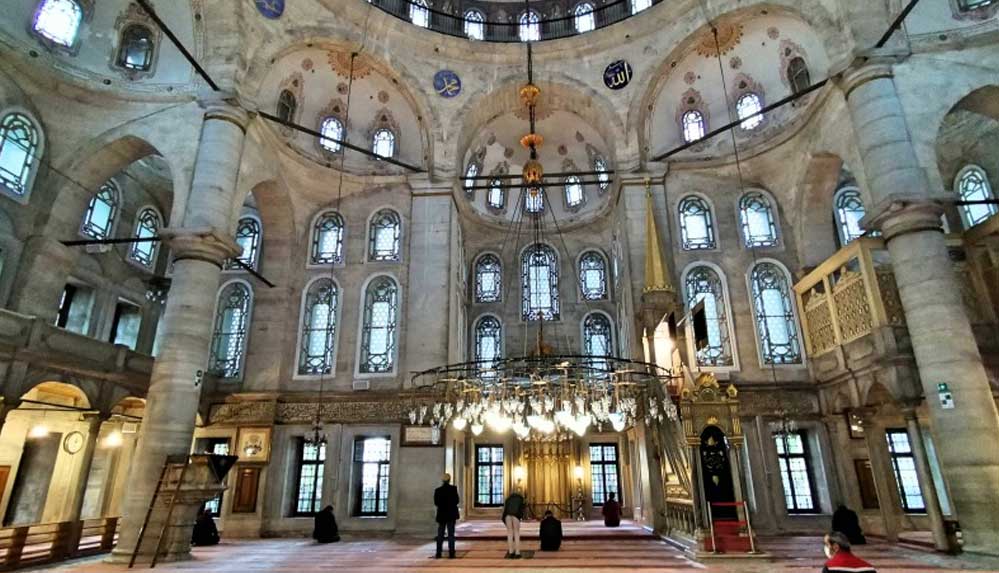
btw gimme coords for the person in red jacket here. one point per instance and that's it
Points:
(841, 559)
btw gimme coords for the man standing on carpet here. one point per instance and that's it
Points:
(513, 511)
(446, 500)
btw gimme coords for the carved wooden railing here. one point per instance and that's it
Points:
(36, 544)
(680, 517)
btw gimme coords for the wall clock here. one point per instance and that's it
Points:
(73, 442)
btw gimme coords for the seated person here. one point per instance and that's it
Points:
(612, 511)
(205, 532)
(551, 532)
(326, 530)
(846, 522)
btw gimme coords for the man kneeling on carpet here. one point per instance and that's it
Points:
(841, 559)
(550, 532)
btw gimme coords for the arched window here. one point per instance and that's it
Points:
(747, 106)
(573, 192)
(849, 210)
(534, 200)
(639, 5)
(773, 310)
(58, 21)
(383, 236)
(697, 230)
(19, 149)
(383, 143)
(135, 50)
(584, 18)
(418, 13)
(488, 279)
(475, 25)
(287, 105)
(798, 75)
(598, 341)
(758, 226)
(488, 343)
(593, 276)
(530, 26)
(147, 226)
(497, 194)
(247, 237)
(98, 221)
(319, 318)
(603, 177)
(332, 130)
(703, 285)
(232, 321)
(973, 185)
(327, 239)
(378, 337)
(694, 126)
(539, 283)
(471, 172)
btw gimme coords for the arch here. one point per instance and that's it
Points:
(726, 355)
(759, 219)
(583, 17)
(587, 328)
(65, 387)
(529, 26)
(250, 236)
(593, 275)
(487, 340)
(390, 320)
(848, 210)
(326, 226)
(775, 314)
(22, 146)
(101, 216)
(877, 394)
(475, 24)
(385, 234)
(696, 221)
(539, 282)
(230, 333)
(307, 364)
(972, 184)
(488, 288)
(148, 222)
(815, 236)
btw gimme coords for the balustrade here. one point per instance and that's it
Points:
(680, 517)
(36, 544)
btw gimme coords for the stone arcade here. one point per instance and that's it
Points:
(736, 262)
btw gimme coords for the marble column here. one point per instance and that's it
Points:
(884, 478)
(199, 248)
(944, 345)
(94, 422)
(926, 485)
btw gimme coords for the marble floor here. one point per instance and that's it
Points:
(591, 548)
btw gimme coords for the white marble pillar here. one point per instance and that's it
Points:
(926, 485)
(944, 345)
(199, 249)
(79, 492)
(884, 478)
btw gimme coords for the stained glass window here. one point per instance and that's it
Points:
(488, 344)
(147, 226)
(534, 200)
(604, 473)
(488, 476)
(232, 316)
(795, 473)
(470, 174)
(327, 239)
(539, 283)
(703, 285)
(488, 279)
(383, 236)
(18, 148)
(418, 13)
(593, 276)
(136, 49)
(247, 237)
(758, 226)
(311, 462)
(603, 177)
(747, 106)
(372, 456)
(973, 185)
(98, 221)
(904, 466)
(332, 130)
(58, 21)
(383, 143)
(849, 210)
(530, 26)
(378, 340)
(287, 105)
(798, 75)
(474, 25)
(696, 227)
(694, 126)
(497, 194)
(584, 18)
(598, 341)
(319, 318)
(573, 192)
(773, 311)
(639, 5)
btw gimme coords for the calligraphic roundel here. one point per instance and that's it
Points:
(272, 9)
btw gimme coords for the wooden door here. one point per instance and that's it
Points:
(245, 497)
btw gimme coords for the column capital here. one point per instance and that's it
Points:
(200, 243)
(224, 106)
(867, 67)
(904, 213)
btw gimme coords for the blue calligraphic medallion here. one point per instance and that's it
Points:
(270, 8)
(447, 83)
(617, 75)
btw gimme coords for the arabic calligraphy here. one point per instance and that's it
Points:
(617, 75)
(270, 8)
(447, 83)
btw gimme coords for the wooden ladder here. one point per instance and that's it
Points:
(178, 462)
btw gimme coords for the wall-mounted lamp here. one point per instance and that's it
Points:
(38, 431)
(519, 473)
(578, 473)
(113, 440)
